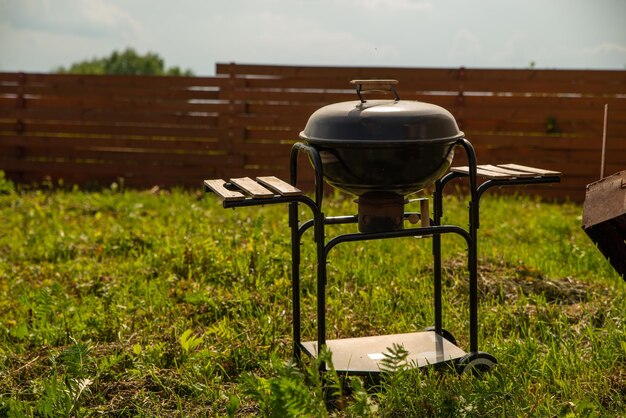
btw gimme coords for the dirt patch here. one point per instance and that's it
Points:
(506, 282)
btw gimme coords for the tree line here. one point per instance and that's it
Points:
(127, 62)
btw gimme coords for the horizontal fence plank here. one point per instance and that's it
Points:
(470, 125)
(594, 104)
(115, 168)
(100, 115)
(448, 73)
(489, 141)
(104, 176)
(410, 90)
(110, 93)
(68, 82)
(546, 89)
(571, 127)
(187, 103)
(264, 102)
(472, 128)
(564, 81)
(545, 143)
(123, 156)
(70, 142)
(35, 127)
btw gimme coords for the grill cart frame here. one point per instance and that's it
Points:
(361, 356)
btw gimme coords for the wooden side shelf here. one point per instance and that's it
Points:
(246, 188)
(507, 171)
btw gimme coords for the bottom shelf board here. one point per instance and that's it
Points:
(363, 355)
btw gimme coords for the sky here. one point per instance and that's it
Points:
(40, 35)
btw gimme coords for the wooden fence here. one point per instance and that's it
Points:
(172, 131)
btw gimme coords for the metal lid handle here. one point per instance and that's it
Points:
(375, 85)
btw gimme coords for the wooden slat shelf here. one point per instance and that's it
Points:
(243, 188)
(507, 171)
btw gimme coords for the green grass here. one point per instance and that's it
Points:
(129, 303)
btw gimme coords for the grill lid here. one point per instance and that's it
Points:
(380, 122)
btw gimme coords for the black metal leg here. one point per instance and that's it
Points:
(437, 283)
(321, 283)
(472, 263)
(318, 226)
(295, 279)
(437, 210)
(472, 266)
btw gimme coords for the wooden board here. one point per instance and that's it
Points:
(507, 171)
(182, 145)
(304, 72)
(283, 188)
(254, 189)
(531, 169)
(217, 185)
(481, 172)
(480, 80)
(44, 127)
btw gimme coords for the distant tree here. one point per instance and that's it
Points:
(127, 62)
